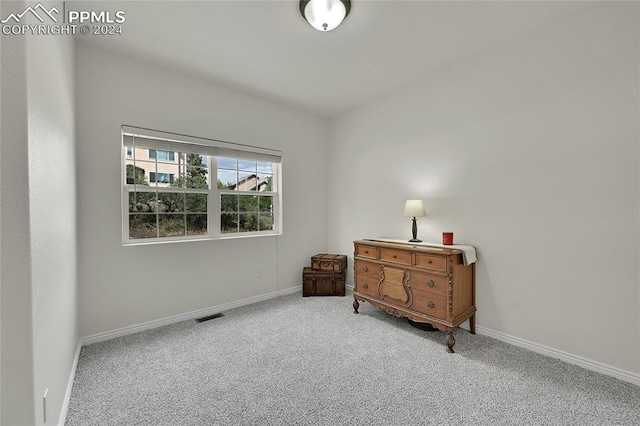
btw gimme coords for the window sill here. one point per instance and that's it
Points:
(141, 242)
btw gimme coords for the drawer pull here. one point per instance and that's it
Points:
(430, 283)
(431, 304)
(366, 252)
(365, 285)
(365, 269)
(429, 261)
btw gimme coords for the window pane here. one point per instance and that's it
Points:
(227, 179)
(192, 173)
(228, 203)
(247, 181)
(196, 160)
(248, 222)
(136, 173)
(266, 222)
(171, 225)
(228, 222)
(196, 177)
(169, 202)
(247, 165)
(142, 226)
(142, 202)
(265, 167)
(227, 163)
(197, 203)
(141, 171)
(152, 153)
(265, 182)
(266, 203)
(196, 224)
(248, 203)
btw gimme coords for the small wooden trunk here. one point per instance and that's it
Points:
(322, 283)
(329, 262)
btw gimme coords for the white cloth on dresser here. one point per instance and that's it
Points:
(469, 253)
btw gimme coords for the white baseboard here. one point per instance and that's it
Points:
(589, 364)
(67, 394)
(108, 335)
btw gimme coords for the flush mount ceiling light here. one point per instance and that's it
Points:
(325, 15)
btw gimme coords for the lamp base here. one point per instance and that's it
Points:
(414, 232)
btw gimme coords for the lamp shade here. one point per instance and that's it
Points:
(414, 208)
(325, 15)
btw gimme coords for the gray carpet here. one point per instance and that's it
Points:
(311, 361)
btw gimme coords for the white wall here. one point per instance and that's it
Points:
(124, 286)
(529, 153)
(15, 268)
(52, 197)
(39, 314)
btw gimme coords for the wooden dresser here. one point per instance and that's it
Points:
(425, 284)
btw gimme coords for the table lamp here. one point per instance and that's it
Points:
(414, 208)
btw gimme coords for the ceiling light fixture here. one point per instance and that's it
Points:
(325, 15)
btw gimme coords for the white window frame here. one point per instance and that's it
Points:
(153, 139)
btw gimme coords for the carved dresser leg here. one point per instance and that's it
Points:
(451, 339)
(356, 305)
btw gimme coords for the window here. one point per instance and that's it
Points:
(160, 177)
(179, 187)
(162, 155)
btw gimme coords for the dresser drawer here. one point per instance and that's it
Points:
(366, 251)
(431, 283)
(431, 261)
(369, 269)
(396, 256)
(367, 285)
(429, 303)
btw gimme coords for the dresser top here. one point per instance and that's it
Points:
(408, 246)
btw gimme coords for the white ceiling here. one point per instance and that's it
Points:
(267, 49)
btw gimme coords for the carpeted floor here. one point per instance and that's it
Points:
(311, 361)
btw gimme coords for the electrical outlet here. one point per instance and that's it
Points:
(44, 405)
(259, 274)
